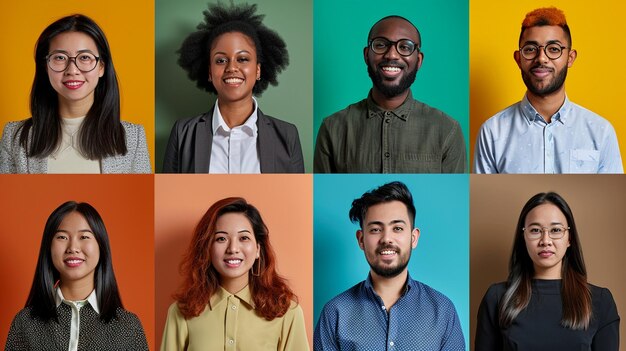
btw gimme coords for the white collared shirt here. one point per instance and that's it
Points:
(234, 150)
(76, 306)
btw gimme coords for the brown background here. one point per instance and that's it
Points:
(599, 207)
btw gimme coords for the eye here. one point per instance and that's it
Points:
(85, 57)
(221, 61)
(375, 230)
(529, 49)
(556, 230)
(398, 229)
(59, 58)
(534, 230)
(220, 239)
(243, 59)
(554, 49)
(244, 238)
(60, 236)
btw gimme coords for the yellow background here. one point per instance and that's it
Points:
(129, 28)
(595, 81)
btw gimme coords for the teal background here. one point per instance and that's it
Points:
(440, 260)
(340, 73)
(178, 97)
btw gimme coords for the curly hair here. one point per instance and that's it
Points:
(271, 50)
(546, 16)
(270, 292)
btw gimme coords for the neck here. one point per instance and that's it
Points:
(234, 285)
(388, 103)
(389, 289)
(236, 113)
(547, 105)
(74, 109)
(77, 290)
(548, 273)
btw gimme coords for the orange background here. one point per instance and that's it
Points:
(129, 28)
(125, 203)
(285, 203)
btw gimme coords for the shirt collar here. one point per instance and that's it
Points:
(222, 295)
(531, 114)
(407, 285)
(249, 126)
(91, 299)
(403, 111)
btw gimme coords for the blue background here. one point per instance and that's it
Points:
(440, 260)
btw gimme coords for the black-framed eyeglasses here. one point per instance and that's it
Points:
(553, 51)
(535, 232)
(84, 61)
(380, 45)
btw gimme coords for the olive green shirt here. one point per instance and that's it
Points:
(231, 324)
(413, 138)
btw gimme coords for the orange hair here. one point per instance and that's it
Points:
(546, 16)
(270, 292)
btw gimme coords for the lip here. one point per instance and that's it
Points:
(541, 72)
(545, 253)
(233, 262)
(73, 84)
(73, 262)
(390, 71)
(233, 81)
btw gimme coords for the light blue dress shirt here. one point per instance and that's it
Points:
(519, 140)
(422, 319)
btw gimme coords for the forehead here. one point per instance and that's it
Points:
(386, 212)
(544, 34)
(233, 220)
(72, 42)
(233, 41)
(394, 29)
(74, 220)
(546, 214)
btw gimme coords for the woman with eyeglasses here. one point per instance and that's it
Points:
(232, 298)
(546, 302)
(75, 105)
(74, 302)
(234, 56)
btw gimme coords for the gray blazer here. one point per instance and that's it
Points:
(13, 157)
(189, 147)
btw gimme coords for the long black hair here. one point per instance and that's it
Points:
(576, 296)
(42, 293)
(101, 134)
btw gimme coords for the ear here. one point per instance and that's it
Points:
(571, 58)
(517, 57)
(415, 235)
(258, 71)
(101, 69)
(258, 250)
(359, 238)
(366, 50)
(420, 59)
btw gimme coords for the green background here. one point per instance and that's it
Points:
(340, 73)
(178, 97)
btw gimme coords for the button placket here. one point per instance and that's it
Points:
(386, 154)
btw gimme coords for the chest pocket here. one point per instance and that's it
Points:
(584, 161)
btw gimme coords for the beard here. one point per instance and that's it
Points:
(391, 91)
(553, 86)
(390, 271)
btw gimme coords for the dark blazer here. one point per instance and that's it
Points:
(189, 147)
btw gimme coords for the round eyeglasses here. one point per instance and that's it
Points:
(535, 232)
(84, 61)
(380, 45)
(553, 51)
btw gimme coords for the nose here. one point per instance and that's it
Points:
(231, 66)
(386, 236)
(233, 246)
(392, 52)
(72, 67)
(545, 239)
(72, 246)
(541, 55)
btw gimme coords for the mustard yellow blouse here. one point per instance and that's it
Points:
(231, 324)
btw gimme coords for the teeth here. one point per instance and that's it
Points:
(233, 80)
(74, 261)
(387, 252)
(233, 261)
(73, 84)
(391, 69)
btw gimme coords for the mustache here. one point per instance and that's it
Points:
(387, 247)
(540, 66)
(393, 63)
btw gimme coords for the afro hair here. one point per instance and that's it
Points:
(271, 50)
(546, 16)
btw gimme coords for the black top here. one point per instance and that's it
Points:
(124, 332)
(538, 327)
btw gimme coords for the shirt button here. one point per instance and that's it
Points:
(387, 154)
(387, 120)
(234, 307)
(231, 341)
(391, 343)
(387, 113)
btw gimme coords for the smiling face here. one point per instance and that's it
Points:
(75, 251)
(543, 76)
(391, 73)
(233, 250)
(387, 238)
(546, 253)
(233, 67)
(74, 87)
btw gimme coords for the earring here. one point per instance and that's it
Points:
(259, 78)
(258, 268)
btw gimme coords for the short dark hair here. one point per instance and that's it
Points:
(101, 134)
(394, 191)
(271, 50)
(42, 293)
(419, 36)
(546, 16)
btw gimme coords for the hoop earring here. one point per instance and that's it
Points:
(258, 267)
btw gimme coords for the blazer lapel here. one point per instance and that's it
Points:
(203, 137)
(265, 144)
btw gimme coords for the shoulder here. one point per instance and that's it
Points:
(600, 294)
(191, 122)
(501, 120)
(587, 116)
(10, 130)
(132, 127)
(25, 315)
(495, 292)
(277, 123)
(433, 115)
(346, 299)
(128, 318)
(433, 296)
(351, 111)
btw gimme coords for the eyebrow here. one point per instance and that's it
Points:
(67, 231)
(553, 41)
(67, 52)
(395, 221)
(225, 232)
(237, 53)
(552, 223)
